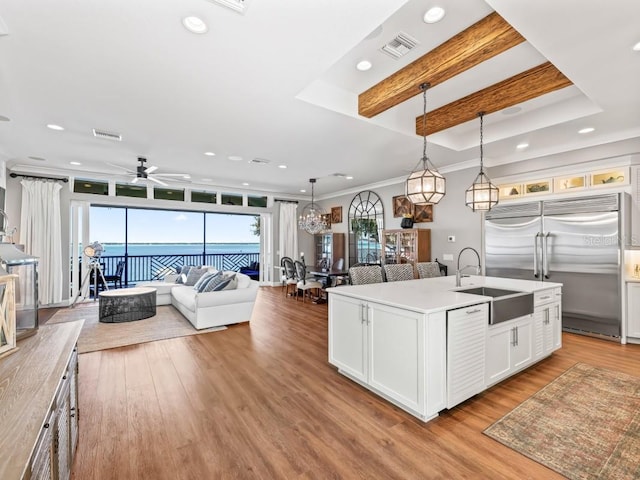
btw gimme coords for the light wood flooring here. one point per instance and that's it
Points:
(260, 400)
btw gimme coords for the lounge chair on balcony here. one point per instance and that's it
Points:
(252, 271)
(116, 278)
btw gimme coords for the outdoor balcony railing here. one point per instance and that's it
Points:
(143, 268)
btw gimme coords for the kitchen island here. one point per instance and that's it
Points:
(425, 346)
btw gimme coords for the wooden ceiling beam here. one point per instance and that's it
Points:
(544, 78)
(481, 41)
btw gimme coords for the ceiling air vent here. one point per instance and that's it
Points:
(107, 135)
(260, 161)
(239, 6)
(400, 46)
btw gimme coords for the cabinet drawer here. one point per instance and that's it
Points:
(546, 296)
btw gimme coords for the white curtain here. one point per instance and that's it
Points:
(288, 237)
(40, 232)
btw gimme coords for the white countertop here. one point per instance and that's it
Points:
(429, 295)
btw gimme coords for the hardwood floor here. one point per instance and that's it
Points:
(260, 400)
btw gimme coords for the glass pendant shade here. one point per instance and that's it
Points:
(313, 217)
(482, 195)
(425, 186)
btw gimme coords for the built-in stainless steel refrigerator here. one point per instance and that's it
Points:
(575, 242)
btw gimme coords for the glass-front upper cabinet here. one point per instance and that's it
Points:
(329, 248)
(407, 245)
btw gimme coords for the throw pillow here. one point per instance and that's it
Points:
(194, 275)
(222, 285)
(182, 273)
(232, 285)
(214, 282)
(204, 280)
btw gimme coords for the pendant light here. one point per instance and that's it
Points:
(482, 195)
(425, 185)
(312, 220)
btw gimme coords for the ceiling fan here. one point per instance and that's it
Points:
(142, 173)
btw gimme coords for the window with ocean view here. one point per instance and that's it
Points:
(156, 242)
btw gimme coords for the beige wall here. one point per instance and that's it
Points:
(450, 217)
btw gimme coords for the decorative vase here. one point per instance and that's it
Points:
(406, 222)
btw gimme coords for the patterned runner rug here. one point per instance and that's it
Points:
(585, 425)
(167, 323)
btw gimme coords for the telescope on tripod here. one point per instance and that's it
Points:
(93, 251)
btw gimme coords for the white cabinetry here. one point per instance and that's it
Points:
(466, 346)
(347, 336)
(547, 322)
(633, 310)
(509, 348)
(383, 348)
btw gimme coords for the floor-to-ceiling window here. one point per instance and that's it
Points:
(155, 242)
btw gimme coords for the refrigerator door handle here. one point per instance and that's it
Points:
(545, 255)
(535, 255)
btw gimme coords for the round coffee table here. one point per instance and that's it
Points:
(127, 304)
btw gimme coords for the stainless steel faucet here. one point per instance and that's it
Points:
(460, 270)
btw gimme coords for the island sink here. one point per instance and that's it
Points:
(506, 304)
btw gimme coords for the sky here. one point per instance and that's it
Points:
(107, 225)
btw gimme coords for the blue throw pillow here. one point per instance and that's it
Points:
(204, 280)
(214, 282)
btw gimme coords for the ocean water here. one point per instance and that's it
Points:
(117, 249)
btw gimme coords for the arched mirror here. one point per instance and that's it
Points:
(366, 222)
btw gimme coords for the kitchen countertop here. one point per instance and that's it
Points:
(430, 295)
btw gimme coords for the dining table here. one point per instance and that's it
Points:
(330, 275)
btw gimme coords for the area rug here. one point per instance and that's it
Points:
(584, 425)
(167, 323)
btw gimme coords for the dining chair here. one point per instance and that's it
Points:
(290, 277)
(428, 269)
(365, 274)
(306, 284)
(398, 272)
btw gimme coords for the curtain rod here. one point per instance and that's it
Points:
(14, 175)
(284, 201)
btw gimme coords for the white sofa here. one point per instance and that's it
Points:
(208, 309)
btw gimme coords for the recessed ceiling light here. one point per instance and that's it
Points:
(235, 158)
(40, 159)
(186, 176)
(303, 191)
(75, 163)
(282, 166)
(195, 25)
(245, 184)
(53, 126)
(364, 65)
(586, 130)
(434, 15)
(4, 119)
(636, 47)
(349, 177)
(511, 110)
(210, 154)
(522, 146)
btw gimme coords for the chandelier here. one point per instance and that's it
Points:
(482, 195)
(313, 217)
(425, 185)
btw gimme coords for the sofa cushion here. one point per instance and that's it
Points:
(194, 275)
